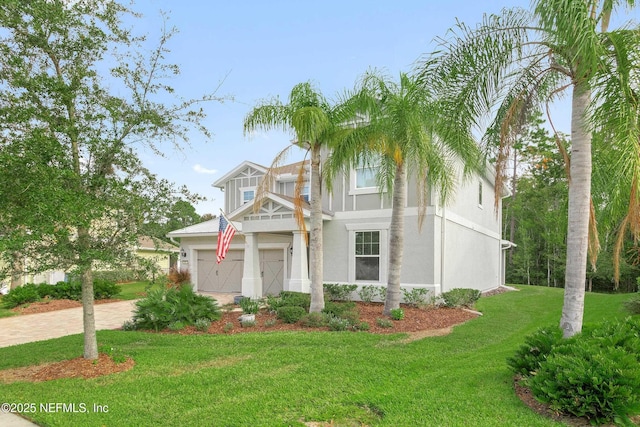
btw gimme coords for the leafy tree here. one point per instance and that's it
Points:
(180, 215)
(77, 98)
(315, 123)
(521, 60)
(401, 133)
(536, 210)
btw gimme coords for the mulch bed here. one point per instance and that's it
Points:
(55, 304)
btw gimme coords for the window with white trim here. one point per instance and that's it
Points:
(366, 176)
(305, 194)
(367, 255)
(248, 194)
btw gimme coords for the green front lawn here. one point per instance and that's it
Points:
(282, 379)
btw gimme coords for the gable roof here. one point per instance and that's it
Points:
(285, 201)
(207, 228)
(223, 180)
(154, 244)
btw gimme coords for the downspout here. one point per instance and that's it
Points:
(442, 247)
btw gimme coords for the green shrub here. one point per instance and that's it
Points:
(535, 350)
(119, 276)
(461, 297)
(338, 292)
(295, 299)
(273, 303)
(249, 306)
(314, 320)
(47, 291)
(63, 290)
(291, 313)
(338, 323)
(384, 323)
(587, 380)
(128, 325)
(162, 307)
(202, 324)
(595, 374)
(21, 295)
(227, 327)
(382, 292)
(344, 310)
(367, 293)
(633, 305)
(415, 296)
(176, 326)
(105, 289)
(269, 323)
(397, 314)
(363, 326)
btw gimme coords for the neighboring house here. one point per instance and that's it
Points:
(459, 245)
(159, 254)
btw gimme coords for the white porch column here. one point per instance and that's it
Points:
(251, 277)
(299, 280)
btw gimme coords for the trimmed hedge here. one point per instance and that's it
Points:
(30, 292)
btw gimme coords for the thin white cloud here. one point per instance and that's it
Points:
(201, 169)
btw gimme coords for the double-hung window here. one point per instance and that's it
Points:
(367, 253)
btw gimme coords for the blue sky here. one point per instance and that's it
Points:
(261, 49)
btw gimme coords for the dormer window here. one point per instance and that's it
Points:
(248, 194)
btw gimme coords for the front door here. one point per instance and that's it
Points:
(272, 271)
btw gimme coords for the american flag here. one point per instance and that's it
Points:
(226, 231)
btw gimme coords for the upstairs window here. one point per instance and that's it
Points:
(304, 193)
(366, 176)
(248, 194)
(480, 193)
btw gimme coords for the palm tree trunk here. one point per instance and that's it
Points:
(315, 244)
(578, 218)
(396, 240)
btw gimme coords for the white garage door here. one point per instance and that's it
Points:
(223, 277)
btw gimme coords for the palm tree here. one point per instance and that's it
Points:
(401, 132)
(523, 60)
(314, 123)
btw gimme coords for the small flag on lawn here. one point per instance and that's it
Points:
(226, 231)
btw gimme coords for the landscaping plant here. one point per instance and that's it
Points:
(461, 297)
(338, 292)
(595, 374)
(163, 307)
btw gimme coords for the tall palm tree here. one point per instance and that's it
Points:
(521, 60)
(400, 131)
(314, 122)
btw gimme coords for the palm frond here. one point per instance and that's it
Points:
(265, 185)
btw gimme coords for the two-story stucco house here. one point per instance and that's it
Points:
(459, 244)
